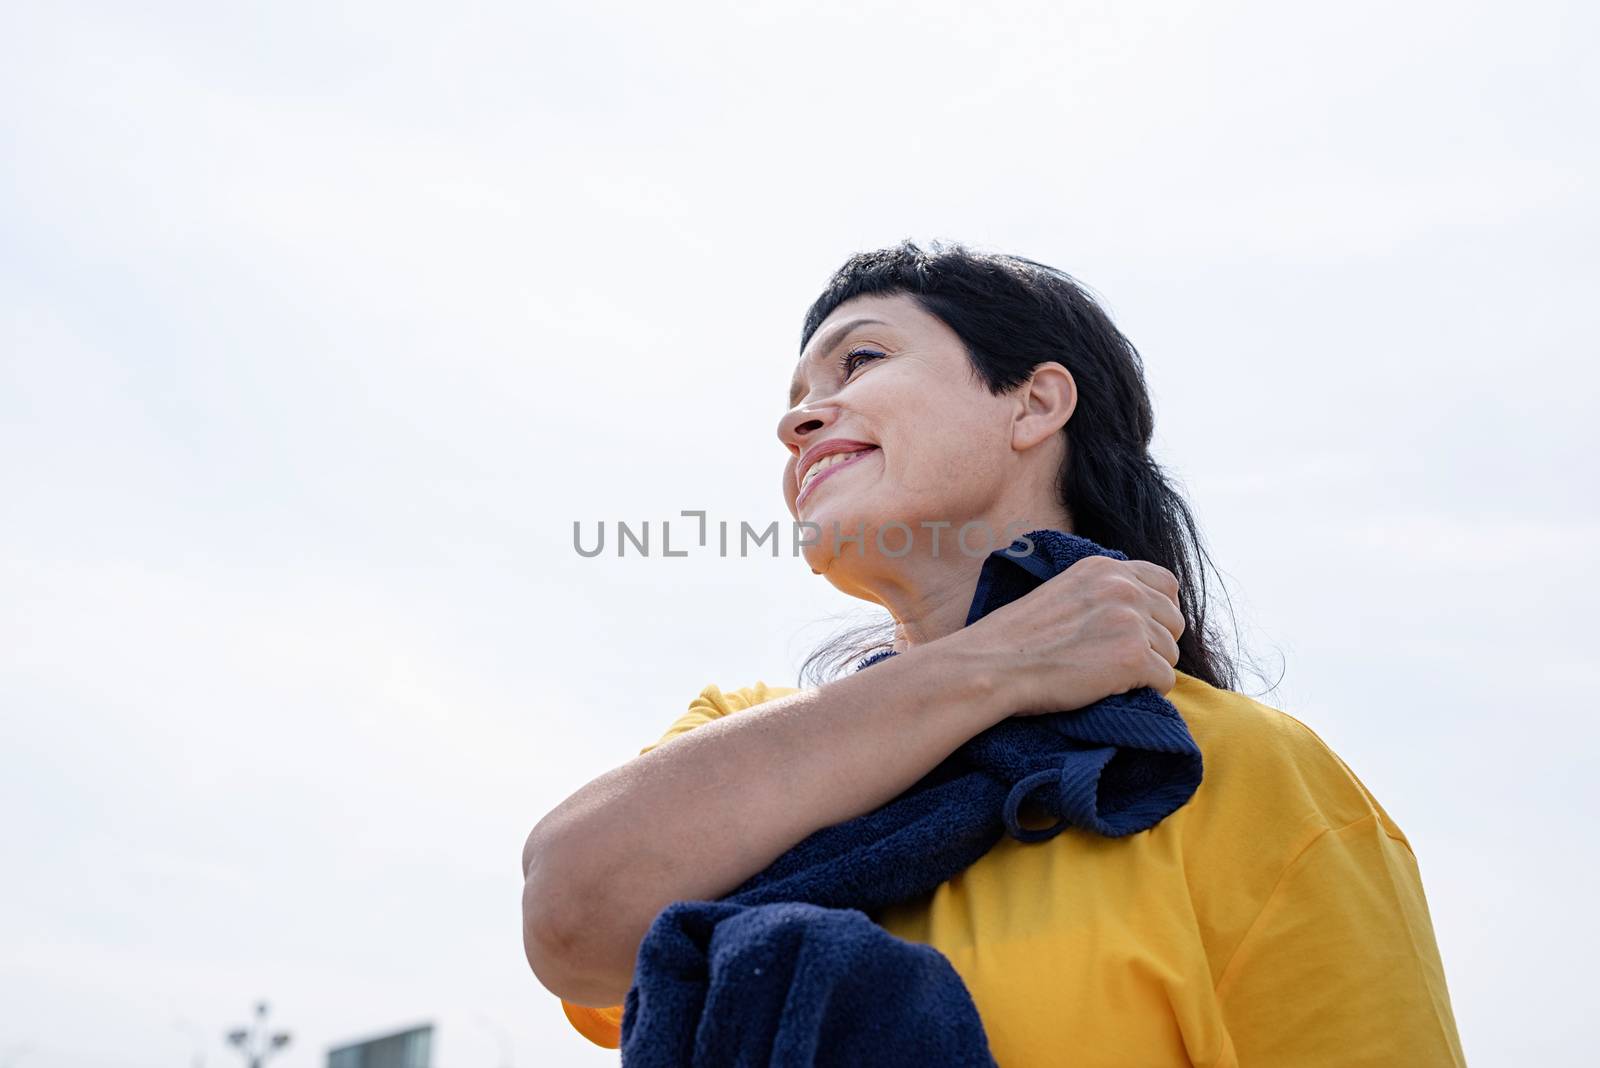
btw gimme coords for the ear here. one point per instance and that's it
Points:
(1044, 404)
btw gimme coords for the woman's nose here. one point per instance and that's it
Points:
(800, 424)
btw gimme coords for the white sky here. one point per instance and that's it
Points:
(322, 323)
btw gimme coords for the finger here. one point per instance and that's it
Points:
(1163, 677)
(1163, 611)
(1163, 643)
(1156, 577)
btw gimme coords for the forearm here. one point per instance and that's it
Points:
(697, 817)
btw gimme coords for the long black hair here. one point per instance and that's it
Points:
(1013, 314)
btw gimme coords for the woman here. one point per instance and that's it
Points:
(1277, 918)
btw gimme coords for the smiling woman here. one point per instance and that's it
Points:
(890, 424)
(1271, 912)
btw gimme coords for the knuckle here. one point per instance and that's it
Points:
(1131, 655)
(1122, 620)
(1120, 588)
(1095, 564)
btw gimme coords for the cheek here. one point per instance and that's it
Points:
(951, 458)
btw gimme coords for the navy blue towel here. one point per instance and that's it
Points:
(789, 971)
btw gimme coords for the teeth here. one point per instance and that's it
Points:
(825, 463)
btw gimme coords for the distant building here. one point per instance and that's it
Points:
(403, 1049)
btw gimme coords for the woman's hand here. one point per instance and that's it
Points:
(1101, 627)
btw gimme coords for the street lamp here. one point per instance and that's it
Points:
(254, 1042)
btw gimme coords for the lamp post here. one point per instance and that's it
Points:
(254, 1042)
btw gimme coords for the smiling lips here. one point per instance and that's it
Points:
(826, 459)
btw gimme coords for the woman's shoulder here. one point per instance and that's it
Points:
(1265, 770)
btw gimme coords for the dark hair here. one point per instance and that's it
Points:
(1014, 314)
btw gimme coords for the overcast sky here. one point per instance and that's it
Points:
(322, 323)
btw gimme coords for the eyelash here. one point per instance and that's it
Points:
(850, 368)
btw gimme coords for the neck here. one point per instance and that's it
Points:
(929, 594)
(931, 602)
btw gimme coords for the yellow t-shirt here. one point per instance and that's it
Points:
(1277, 919)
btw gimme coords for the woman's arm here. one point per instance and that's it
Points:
(692, 820)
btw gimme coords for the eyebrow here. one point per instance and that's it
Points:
(832, 338)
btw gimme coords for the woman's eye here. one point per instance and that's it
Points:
(855, 358)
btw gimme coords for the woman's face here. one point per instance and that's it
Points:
(886, 398)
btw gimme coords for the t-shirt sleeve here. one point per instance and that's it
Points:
(603, 1026)
(1341, 966)
(713, 704)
